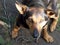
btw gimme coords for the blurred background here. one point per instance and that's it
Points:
(8, 13)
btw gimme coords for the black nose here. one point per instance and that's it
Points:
(35, 33)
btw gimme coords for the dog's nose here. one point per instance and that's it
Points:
(35, 33)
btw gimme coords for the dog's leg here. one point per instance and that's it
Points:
(46, 36)
(16, 28)
(15, 31)
(53, 24)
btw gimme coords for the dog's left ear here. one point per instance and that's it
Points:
(49, 11)
(21, 8)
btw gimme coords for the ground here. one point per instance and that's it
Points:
(8, 13)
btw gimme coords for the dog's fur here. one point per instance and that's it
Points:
(32, 13)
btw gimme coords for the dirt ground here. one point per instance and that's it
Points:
(8, 13)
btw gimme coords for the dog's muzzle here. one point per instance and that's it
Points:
(36, 33)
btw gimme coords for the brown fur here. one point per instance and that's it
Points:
(51, 25)
(54, 17)
(46, 36)
(32, 24)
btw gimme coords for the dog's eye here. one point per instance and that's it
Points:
(30, 20)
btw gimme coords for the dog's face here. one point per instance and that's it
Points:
(35, 17)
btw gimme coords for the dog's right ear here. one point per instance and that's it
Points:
(21, 8)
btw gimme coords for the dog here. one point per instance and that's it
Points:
(36, 15)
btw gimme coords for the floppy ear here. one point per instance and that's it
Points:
(50, 13)
(20, 7)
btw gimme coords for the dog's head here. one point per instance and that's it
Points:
(36, 17)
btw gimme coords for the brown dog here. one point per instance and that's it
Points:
(35, 17)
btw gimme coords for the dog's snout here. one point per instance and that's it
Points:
(35, 33)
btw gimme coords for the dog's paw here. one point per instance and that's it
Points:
(52, 28)
(49, 39)
(14, 34)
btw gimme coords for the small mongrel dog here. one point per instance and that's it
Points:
(36, 15)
